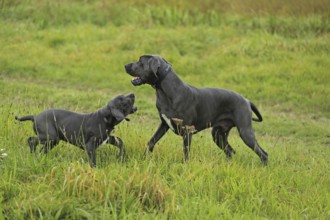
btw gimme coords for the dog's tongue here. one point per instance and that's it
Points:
(136, 81)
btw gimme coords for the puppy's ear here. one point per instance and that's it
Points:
(165, 61)
(117, 114)
(154, 65)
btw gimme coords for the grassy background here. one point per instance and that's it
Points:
(71, 54)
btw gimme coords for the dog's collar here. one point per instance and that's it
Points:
(161, 75)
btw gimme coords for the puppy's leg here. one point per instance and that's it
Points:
(162, 129)
(33, 143)
(47, 135)
(220, 137)
(186, 145)
(48, 145)
(90, 148)
(116, 141)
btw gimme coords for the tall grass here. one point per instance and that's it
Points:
(270, 16)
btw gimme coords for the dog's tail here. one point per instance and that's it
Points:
(256, 111)
(25, 118)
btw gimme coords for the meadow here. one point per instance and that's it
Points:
(71, 55)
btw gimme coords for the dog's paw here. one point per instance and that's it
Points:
(147, 153)
(122, 157)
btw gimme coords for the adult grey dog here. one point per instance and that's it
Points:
(187, 110)
(87, 131)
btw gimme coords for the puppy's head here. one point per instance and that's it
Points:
(119, 108)
(146, 69)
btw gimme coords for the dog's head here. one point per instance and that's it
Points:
(147, 69)
(118, 109)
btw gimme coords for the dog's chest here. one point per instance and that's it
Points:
(177, 125)
(168, 121)
(108, 133)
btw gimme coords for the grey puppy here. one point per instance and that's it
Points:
(87, 131)
(187, 110)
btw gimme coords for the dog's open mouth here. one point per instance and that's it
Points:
(136, 81)
(134, 109)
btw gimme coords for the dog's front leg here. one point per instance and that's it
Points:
(90, 148)
(186, 145)
(162, 129)
(116, 141)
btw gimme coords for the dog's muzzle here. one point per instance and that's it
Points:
(134, 109)
(137, 81)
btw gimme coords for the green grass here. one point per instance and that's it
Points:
(71, 54)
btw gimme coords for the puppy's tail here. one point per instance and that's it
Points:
(25, 118)
(256, 111)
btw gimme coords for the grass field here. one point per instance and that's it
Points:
(71, 55)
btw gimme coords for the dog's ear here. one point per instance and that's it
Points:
(119, 115)
(154, 64)
(165, 61)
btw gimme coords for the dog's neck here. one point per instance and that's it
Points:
(162, 73)
(102, 112)
(172, 89)
(110, 124)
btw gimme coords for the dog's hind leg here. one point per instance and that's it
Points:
(247, 135)
(220, 137)
(116, 141)
(33, 143)
(243, 123)
(48, 145)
